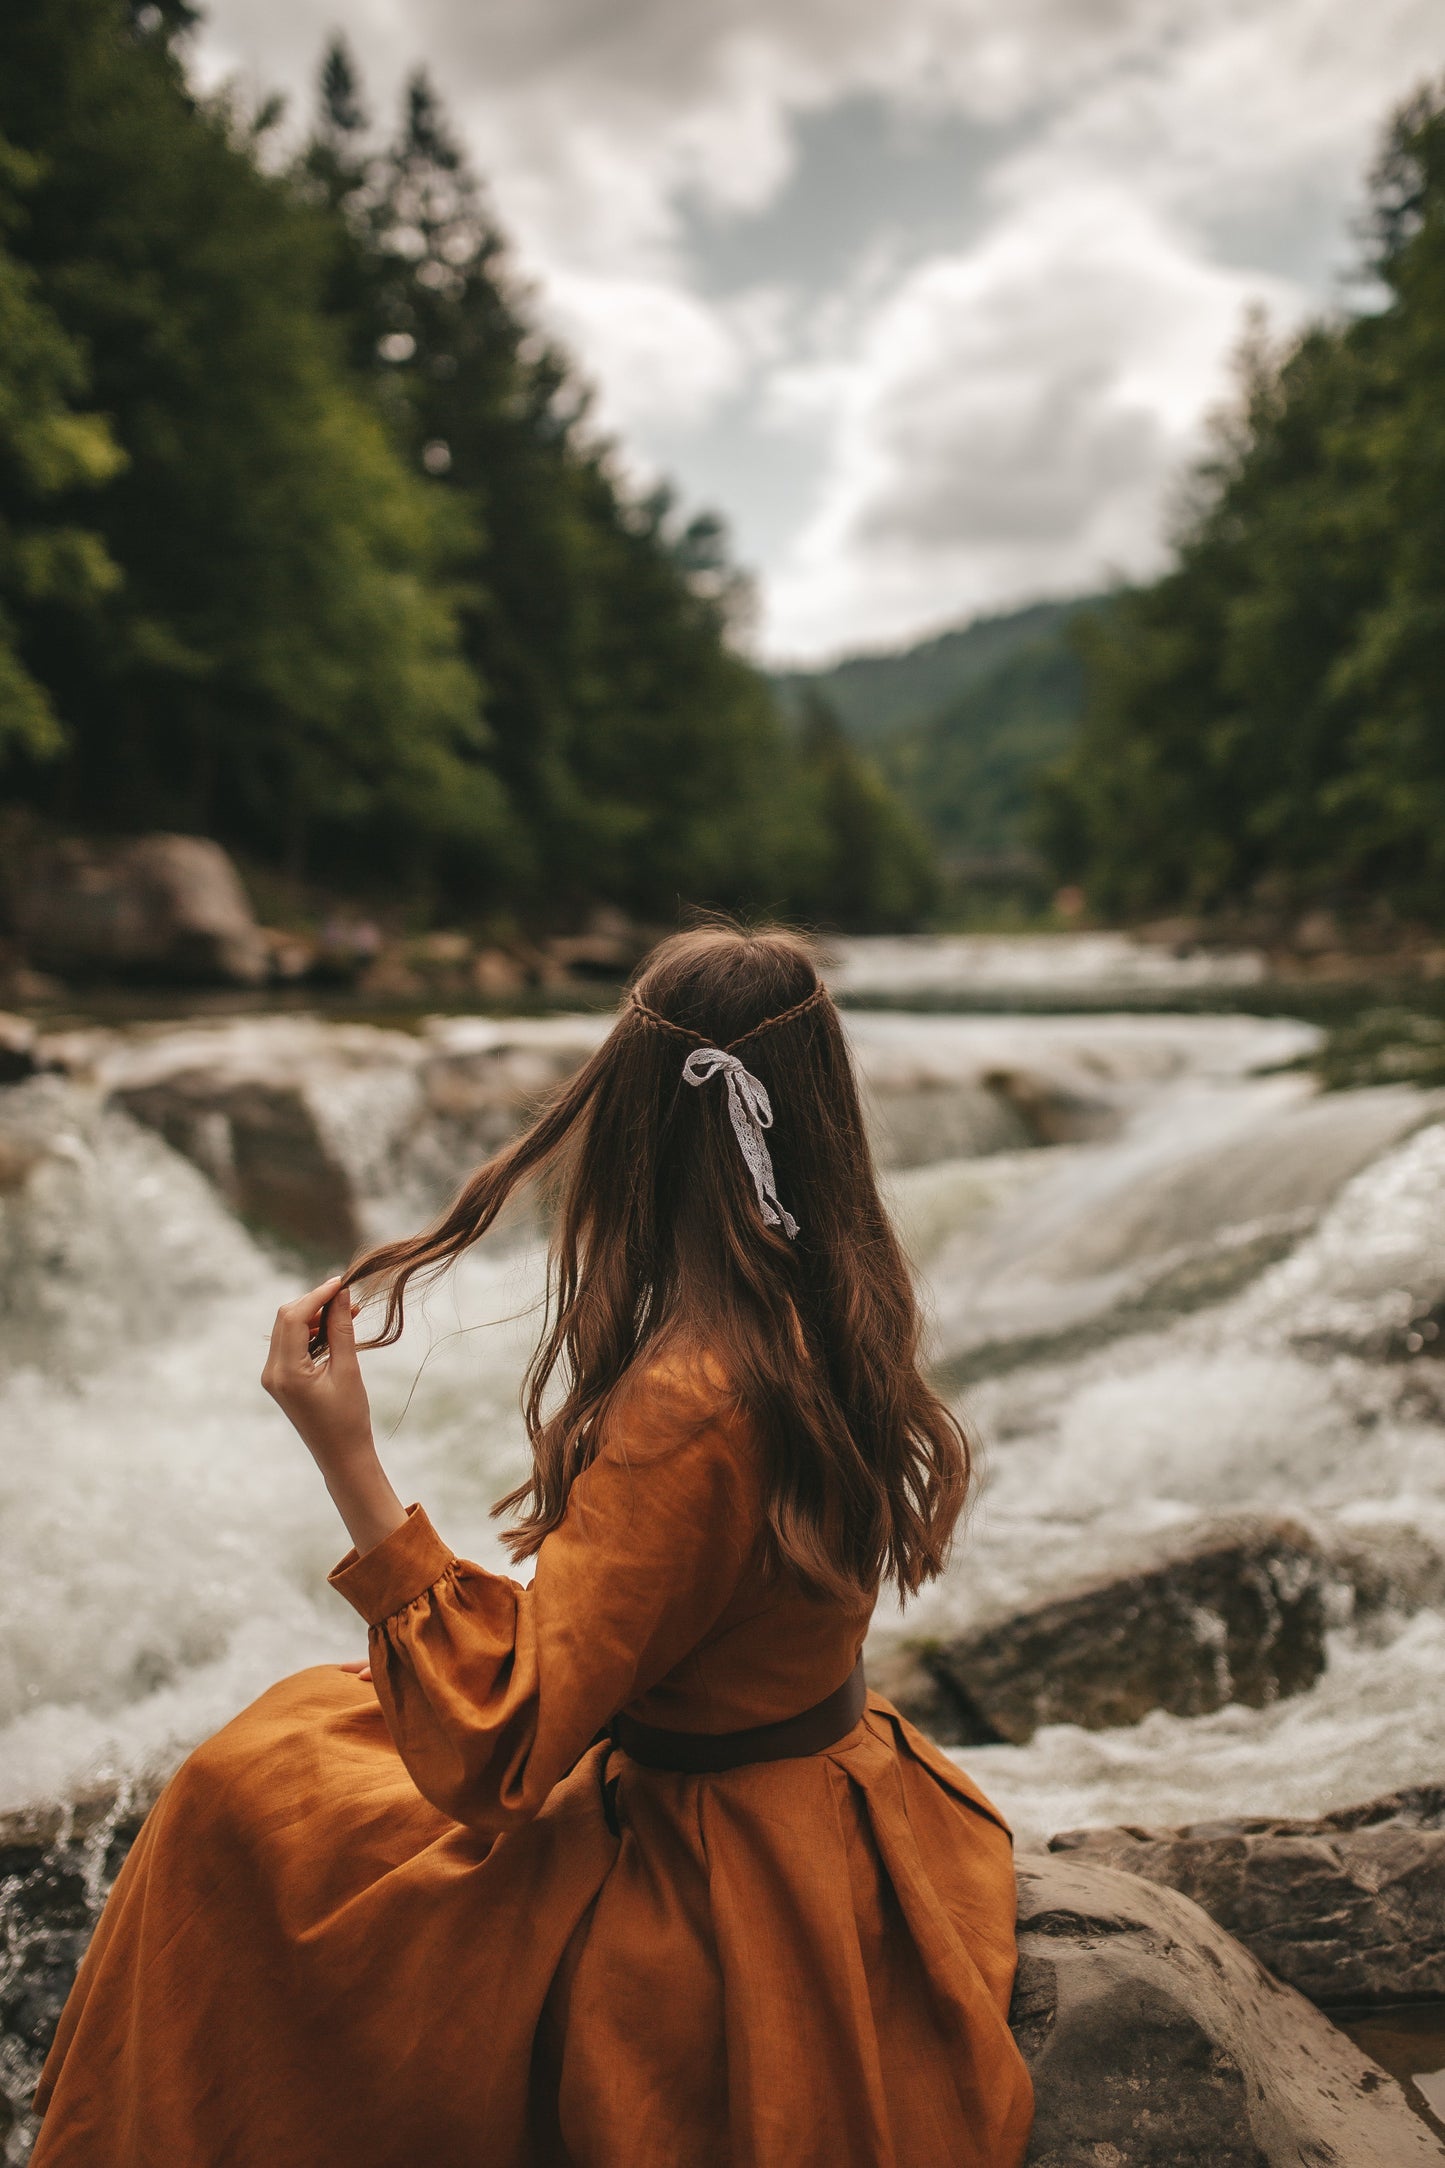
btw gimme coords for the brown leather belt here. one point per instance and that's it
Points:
(704, 1753)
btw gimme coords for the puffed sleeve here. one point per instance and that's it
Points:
(491, 1690)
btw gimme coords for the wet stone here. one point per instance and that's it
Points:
(1349, 1908)
(30, 2008)
(1154, 2039)
(56, 1867)
(262, 1146)
(17, 1048)
(1238, 1615)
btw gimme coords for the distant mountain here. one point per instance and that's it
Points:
(961, 723)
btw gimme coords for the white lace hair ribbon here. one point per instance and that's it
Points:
(752, 1112)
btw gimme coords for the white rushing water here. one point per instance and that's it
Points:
(1092, 966)
(1174, 1313)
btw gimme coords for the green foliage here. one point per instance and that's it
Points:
(877, 697)
(342, 577)
(1382, 1046)
(872, 864)
(962, 725)
(647, 761)
(280, 663)
(969, 770)
(52, 455)
(1264, 726)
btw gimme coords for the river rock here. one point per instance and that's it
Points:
(608, 946)
(1156, 2041)
(263, 1147)
(919, 1124)
(311, 1130)
(56, 1865)
(18, 1057)
(1052, 1113)
(161, 906)
(1237, 1615)
(1349, 1908)
(299, 1123)
(1153, 2038)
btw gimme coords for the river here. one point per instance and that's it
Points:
(1169, 1281)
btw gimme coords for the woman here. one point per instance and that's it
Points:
(621, 1869)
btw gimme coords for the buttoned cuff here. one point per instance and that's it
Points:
(402, 1567)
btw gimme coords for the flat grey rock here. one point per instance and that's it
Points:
(1349, 1909)
(1156, 2041)
(148, 907)
(1237, 1613)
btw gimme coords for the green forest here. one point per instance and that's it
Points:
(962, 726)
(307, 543)
(1264, 727)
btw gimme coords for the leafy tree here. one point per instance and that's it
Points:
(646, 758)
(53, 454)
(344, 576)
(873, 867)
(279, 664)
(1264, 724)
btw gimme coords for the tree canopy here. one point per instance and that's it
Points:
(307, 542)
(1265, 726)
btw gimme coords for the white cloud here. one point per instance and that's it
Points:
(1011, 422)
(662, 354)
(1001, 418)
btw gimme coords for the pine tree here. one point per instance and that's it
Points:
(279, 663)
(346, 577)
(647, 761)
(54, 567)
(1265, 726)
(874, 868)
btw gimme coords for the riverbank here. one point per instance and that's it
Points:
(1173, 1281)
(1261, 1988)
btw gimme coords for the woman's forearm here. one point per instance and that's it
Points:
(364, 1498)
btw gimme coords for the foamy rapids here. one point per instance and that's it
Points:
(1176, 1310)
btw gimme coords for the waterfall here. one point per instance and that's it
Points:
(1170, 1281)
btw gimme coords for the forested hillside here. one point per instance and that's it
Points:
(962, 725)
(1265, 726)
(876, 695)
(306, 542)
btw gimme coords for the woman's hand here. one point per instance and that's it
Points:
(324, 1398)
(323, 1395)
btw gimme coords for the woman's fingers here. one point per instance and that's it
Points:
(291, 1334)
(341, 1334)
(360, 1668)
(323, 1395)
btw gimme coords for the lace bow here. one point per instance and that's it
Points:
(751, 1111)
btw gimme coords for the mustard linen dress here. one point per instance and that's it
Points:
(445, 1924)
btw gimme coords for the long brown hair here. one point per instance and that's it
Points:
(658, 1235)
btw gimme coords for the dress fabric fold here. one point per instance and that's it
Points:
(446, 1921)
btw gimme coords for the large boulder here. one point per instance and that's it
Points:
(1155, 2040)
(1349, 1908)
(1236, 1614)
(56, 1865)
(297, 1122)
(331, 1134)
(18, 1057)
(263, 1147)
(154, 907)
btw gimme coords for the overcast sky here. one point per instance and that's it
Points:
(928, 297)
